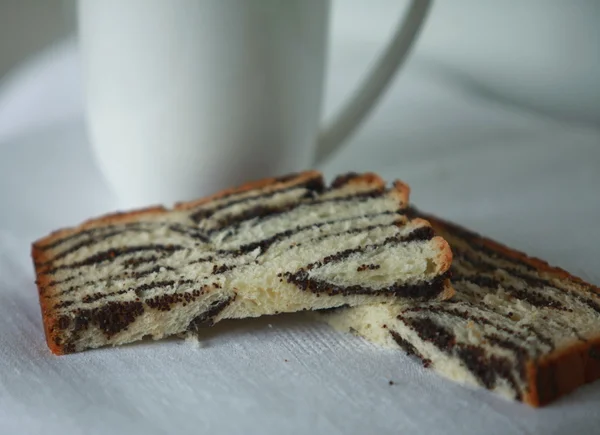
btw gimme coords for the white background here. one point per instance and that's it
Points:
(523, 172)
(543, 54)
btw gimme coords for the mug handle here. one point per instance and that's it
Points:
(364, 99)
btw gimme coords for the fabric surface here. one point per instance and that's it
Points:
(525, 180)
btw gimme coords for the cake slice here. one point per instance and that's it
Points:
(516, 326)
(276, 245)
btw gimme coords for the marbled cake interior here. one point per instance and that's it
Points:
(288, 246)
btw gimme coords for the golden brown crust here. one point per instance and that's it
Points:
(537, 263)
(448, 291)
(289, 180)
(355, 179)
(446, 252)
(562, 372)
(404, 191)
(445, 261)
(369, 178)
(48, 317)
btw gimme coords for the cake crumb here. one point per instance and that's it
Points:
(193, 340)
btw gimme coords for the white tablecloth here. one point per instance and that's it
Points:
(528, 181)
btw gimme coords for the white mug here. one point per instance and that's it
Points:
(186, 97)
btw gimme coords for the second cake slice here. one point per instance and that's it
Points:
(276, 245)
(517, 326)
